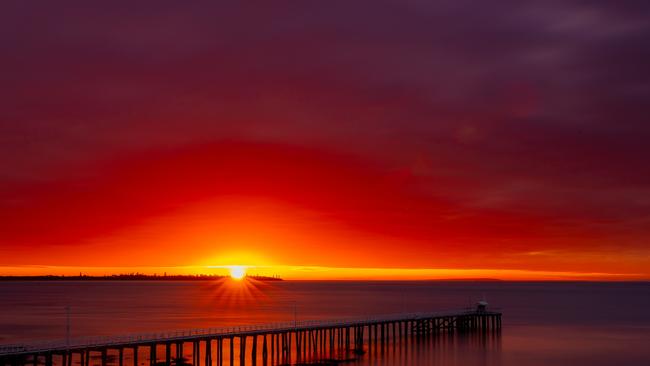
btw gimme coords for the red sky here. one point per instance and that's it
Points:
(374, 140)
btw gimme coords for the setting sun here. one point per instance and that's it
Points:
(237, 272)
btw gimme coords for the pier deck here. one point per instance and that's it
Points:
(279, 341)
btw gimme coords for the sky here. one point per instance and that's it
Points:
(330, 139)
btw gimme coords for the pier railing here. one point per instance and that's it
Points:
(187, 334)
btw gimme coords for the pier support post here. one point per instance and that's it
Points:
(339, 339)
(307, 343)
(242, 350)
(208, 353)
(254, 351)
(220, 351)
(376, 333)
(297, 340)
(288, 347)
(179, 350)
(347, 339)
(331, 332)
(232, 351)
(369, 338)
(283, 347)
(275, 344)
(152, 355)
(195, 360)
(358, 338)
(265, 352)
(272, 348)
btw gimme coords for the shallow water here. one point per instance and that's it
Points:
(543, 323)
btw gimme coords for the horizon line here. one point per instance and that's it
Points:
(293, 272)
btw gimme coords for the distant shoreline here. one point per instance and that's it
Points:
(172, 278)
(133, 277)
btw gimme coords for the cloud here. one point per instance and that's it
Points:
(534, 110)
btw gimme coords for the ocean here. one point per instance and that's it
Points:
(544, 323)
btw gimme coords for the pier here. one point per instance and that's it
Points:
(264, 344)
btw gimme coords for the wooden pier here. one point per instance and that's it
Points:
(268, 344)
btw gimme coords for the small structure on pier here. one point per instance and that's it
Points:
(481, 306)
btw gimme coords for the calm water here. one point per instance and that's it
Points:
(543, 324)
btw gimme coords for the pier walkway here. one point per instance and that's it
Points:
(279, 342)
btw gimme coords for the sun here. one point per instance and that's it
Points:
(237, 272)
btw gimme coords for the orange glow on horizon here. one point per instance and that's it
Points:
(288, 272)
(321, 216)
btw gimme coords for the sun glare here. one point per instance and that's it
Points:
(237, 272)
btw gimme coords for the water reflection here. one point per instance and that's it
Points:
(479, 348)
